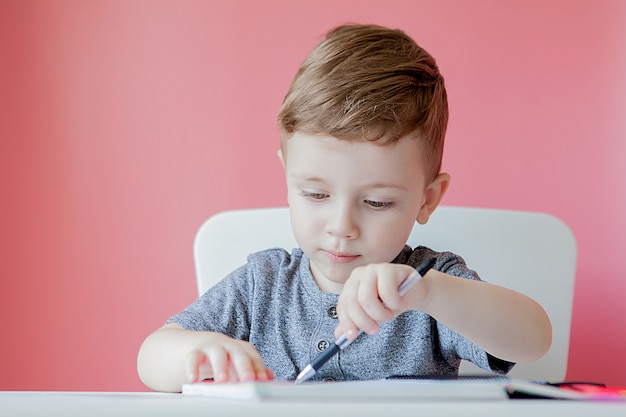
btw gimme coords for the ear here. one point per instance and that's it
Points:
(280, 156)
(432, 197)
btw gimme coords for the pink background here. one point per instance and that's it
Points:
(124, 124)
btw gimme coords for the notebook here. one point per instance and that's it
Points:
(405, 389)
(376, 390)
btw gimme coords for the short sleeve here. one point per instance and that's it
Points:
(223, 308)
(453, 345)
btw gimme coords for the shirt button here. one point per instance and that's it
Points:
(322, 345)
(332, 312)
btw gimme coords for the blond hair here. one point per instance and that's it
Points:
(367, 82)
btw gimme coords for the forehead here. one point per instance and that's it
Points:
(328, 157)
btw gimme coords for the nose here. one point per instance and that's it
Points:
(342, 222)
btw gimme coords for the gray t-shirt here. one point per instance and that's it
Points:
(274, 303)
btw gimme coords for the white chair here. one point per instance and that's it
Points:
(533, 253)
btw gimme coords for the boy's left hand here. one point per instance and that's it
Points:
(370, 296)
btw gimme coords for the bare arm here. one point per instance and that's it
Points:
(172, 356)
(503, 322)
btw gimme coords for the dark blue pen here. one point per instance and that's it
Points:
(311, 369)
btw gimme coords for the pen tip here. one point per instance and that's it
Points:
(306, 373)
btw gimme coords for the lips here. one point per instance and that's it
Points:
(339, 257)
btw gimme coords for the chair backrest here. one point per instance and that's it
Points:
(533, 253)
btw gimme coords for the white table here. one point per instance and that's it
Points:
(120, 404)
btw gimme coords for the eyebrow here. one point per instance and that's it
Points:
(376, 185)
(387, 186)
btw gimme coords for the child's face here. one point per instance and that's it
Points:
(352, 203)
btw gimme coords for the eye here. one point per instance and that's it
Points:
(313, 195)
(379, 204)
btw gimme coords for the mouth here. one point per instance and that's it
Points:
(339, 257)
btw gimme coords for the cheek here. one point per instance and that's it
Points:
(393, 235)
(300, 222)
(304, 235)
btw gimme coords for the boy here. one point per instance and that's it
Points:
(362, 132)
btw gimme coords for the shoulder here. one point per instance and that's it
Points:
(276, 264)
(275, 258)
(447, 262)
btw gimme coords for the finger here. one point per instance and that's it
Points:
(260, 371)
(361, 295)
(258, 366)
(352, 317)
(345, 324)
(218, 357)
(192, 365)
(362, 319)
(369, 298)
(242, 363)
(349, 330)
(232, 373)
(388, 289)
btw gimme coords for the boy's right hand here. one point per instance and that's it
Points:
(172, 356)
(226, 360)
